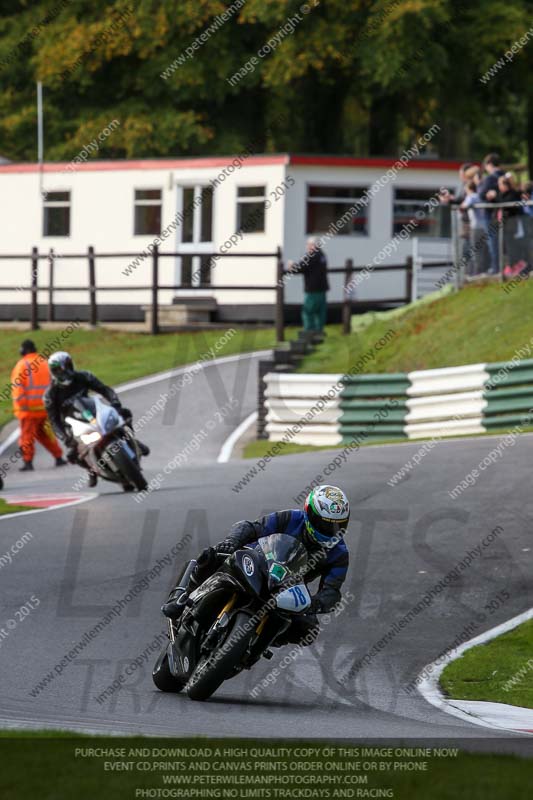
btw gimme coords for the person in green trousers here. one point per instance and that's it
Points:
(314, 268)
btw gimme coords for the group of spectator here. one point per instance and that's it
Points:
(491, 200)
(493, 211)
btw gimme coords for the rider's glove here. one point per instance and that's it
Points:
(125, 412)
(206, 557)
(226, 546)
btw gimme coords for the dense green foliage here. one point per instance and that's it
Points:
(365, 76)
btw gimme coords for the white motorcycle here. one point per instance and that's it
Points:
(105, 441)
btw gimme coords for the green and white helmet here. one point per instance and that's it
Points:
(327, 513)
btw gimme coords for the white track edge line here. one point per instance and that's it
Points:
(86, 499)
(429, 687)
(11, 439)
(227, 448)
(195, 365)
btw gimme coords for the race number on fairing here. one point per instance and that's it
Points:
(296, 598)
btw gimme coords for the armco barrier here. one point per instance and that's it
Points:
(328, 409)
(303, 409)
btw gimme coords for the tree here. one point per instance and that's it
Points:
(195, 77)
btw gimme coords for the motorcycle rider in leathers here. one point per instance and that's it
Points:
(67, 382)
(320, 528)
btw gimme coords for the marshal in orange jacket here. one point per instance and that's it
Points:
(29, 380)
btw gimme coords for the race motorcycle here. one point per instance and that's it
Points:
(105, 441)
(231, 619)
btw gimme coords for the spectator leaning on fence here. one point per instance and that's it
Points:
(488, 191)
(527, 192)
(314, 268)
(476, 255)
(513, 228)
(456, 199)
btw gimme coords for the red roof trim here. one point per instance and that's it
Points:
(225, 161)
(151, 163)
(350, 161)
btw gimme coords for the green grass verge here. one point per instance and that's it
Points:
(260, 448)
(478, 324)
(5, 508)
(48, 768)
(118, 357)
(497, 671)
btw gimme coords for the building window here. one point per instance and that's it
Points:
(56, 219)
(147, 212)
(197, 222)
(327, 205)
(251, 209)
(421, 207)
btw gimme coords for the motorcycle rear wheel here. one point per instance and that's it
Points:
(214, 669)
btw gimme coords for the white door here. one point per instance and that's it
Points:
(195, 235)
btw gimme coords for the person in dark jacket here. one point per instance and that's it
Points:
(67, 382)
(320, 527)
(514, 243)
(314, 268)
(488, 192)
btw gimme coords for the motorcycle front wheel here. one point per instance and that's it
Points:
(214, 669)
(129, 470)
(162, 676)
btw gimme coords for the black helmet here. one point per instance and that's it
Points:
(61, 368)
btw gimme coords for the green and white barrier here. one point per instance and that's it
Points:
(329, 409)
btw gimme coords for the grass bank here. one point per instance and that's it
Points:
(500, 671)
(481, 323)
(118, 357)
(478, 324)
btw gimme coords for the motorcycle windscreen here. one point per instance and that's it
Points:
(107, 416)
(284, 555)
(84, 408)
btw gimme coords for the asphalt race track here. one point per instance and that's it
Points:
(404, 540)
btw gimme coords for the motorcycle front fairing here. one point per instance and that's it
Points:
(95, 425)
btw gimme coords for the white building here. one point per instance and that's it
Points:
(251, 204)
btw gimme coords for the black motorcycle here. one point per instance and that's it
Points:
(232, 618)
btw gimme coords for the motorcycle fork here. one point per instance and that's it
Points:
(229, 605)
(129, 437)
(221, 622)
(259, 629)
(171, 635)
